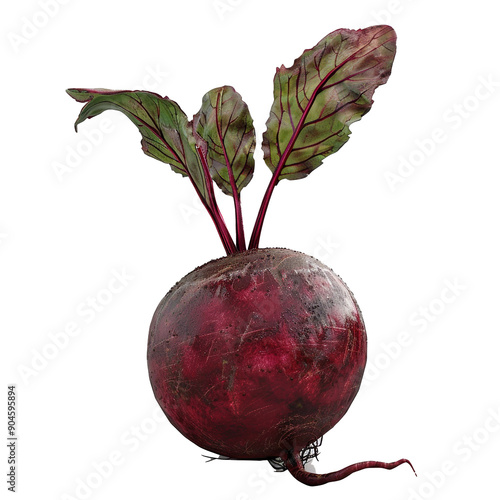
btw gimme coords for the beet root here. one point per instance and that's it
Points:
(257, 355)
(294, 464)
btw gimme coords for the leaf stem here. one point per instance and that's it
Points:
(213, 208)
(254, 241)
(257, 229)
(240, 233)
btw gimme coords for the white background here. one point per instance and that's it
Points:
(420, 252)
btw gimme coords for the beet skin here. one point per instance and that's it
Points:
(257, 353)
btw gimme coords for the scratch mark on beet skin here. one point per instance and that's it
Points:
(210, 350)
(259, 409)
(212, 387)
(348, 346)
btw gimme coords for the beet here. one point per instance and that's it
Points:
(257, 355)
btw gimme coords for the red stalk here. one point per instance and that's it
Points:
(240, 234)
(257, 229)
(254, 241)
(213, 208)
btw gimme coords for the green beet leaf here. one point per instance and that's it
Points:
(328, 87)
(225, 124)
(166, 133)
(166, 136)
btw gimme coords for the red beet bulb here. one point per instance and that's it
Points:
(271, 360)
(258, 354)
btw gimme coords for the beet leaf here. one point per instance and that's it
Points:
(315, 100)
(166, 136)
(225, 125)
